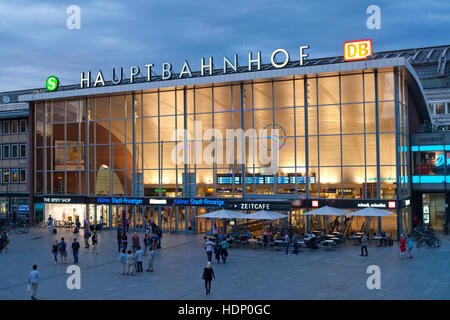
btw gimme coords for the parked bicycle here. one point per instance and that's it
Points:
(424, 235)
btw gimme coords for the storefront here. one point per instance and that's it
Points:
(318, 129)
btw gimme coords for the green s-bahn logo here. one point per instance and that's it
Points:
(52, 83)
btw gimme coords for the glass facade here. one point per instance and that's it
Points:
(343, 136)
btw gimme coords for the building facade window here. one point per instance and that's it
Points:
(5, 175)
(14, 127)
(6, 127)
(23, 175)
(14, 175)
(23, 126)
(14, 151)
(23, 151)
(6, 149)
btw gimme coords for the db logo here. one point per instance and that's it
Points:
(357, 50)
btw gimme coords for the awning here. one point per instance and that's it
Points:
(327, 211)
(223, 214)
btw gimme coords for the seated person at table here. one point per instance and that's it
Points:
(312, 243)
(222, 236)
(277, 236)
(265, 240)
(246, 235)
(236, 234)
(269, 235)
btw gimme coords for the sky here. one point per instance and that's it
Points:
(36, 42)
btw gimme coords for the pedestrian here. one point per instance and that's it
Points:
(33, 281)
(77, 223)
(55, 251)
(146, 243)
(101, 223)
(87, 234)
(130, 263)
(152, 259)
(119, 240)
(128, 225)
(86, 223)
(286, 242)
(295, 243)
(410, 246)
(123, 260)
(50, 223)
(148, 228)
(208, 275)
(75, 248)
(135, 240)
(5, 242)
(139, 255)
(62, 248)
(217, 250)
(209, 245)
(364, 242)
(402, 246)
(215, 231)
(224, 251)
(2, 241)
(94, 242)
(124, 240)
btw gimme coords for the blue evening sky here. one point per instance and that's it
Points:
(36, 43)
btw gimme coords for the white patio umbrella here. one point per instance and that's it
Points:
(327, 211)
(265, 215)
(223, 214)
(370, 212)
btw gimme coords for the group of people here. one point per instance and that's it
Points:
(406, 245)
(4, 242)
(132, 259)
(60, 248)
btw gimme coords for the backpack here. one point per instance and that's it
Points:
(62, 246)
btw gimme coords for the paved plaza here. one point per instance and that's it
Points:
(248, 273)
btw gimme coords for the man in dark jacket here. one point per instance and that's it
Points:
(75, 248)
(208, 275)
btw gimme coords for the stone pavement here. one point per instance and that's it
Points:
(248, 274)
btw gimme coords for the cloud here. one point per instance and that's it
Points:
(37, 43)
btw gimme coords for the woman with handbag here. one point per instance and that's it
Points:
(208, 275)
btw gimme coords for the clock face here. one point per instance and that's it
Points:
(271, 141)
(6, 99)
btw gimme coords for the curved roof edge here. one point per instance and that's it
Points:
(413, 81)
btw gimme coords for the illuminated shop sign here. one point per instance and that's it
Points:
(198, 202)
(440, 161)
(354, 204)
(258, 205)
(357, 50)
(206, 68)
(57, 200)
(131, 201)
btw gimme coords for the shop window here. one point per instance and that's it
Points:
(5, 175)
(23, 175)
(23, 126)
(440, 108)
(23, 151)
(14, 127)
(6, 127)
(6, 151)
(14, 175)
(15, 151)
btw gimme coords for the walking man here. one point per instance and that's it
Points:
(75, 248)
(152, 259)
(62, 248)
(364, 242)
(209, 245)
(224, 251)
(33, 281)
(286, 241)
(87, 234)
(208, 275)
(50, 223)
(94, 242)
(139, 254)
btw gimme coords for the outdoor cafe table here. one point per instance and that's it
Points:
(330, 243)
(279, 243)
(379, 240)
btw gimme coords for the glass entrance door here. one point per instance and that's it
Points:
(103, 211)
(434, 210)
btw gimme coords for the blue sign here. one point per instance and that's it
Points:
(24, 209)
(120, 201)
(199, 202)
(441, 160)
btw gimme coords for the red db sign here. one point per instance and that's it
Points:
(357, 50)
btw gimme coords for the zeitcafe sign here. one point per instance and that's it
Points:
(279, 59)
